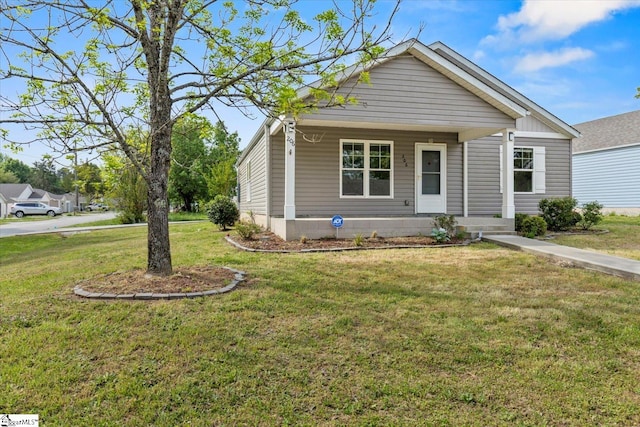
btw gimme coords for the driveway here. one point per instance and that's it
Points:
(23, 227)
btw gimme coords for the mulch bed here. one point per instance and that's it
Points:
(183, 280)
(267, 241)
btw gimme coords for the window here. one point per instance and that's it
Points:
(366, 168)
(523, 170)
(528, 170)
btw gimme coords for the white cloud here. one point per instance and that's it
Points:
(552, 20)
(538, 61)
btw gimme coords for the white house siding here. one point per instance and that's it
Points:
(318, 173)
(485, 198)
(611, 177)
(258, 202)
(405, 90)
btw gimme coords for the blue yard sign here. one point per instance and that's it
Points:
(337, 221)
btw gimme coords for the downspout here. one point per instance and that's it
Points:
(267, 143)
(465, 179)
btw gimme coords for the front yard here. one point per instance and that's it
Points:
(476, 335)
(622, 238)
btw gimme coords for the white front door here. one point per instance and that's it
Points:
(431, 178)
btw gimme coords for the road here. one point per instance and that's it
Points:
(23, 227)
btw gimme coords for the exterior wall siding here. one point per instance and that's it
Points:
(258, 159)
(611, 177)
(405, 90)
(485, 198)
(318, 173)
(531, 124)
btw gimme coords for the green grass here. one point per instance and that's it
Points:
(173, 217)
(622, 238)
(476, 335)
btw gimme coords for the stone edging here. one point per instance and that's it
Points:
(239, 278)
(362, 248)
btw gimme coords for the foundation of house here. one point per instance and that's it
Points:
(317, 228)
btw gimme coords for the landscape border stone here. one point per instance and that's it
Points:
(239, 277)
(355, 248)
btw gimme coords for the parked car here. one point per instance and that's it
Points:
(97, 207)
(34, 208)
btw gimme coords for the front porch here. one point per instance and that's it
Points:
(316, 228)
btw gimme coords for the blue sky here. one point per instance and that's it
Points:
(578, 59)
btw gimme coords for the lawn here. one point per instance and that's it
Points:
(475, 335)
(622, 237)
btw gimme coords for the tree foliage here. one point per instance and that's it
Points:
(19, 169)
(95, 71)
(189, 163)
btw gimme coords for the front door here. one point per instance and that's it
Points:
(431, 178)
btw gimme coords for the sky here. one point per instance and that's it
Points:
(579, 59)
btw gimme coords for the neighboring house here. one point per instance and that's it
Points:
(427, 137)
(605, 162)
(13, 193)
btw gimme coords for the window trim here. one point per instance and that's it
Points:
(539, 170)
(366, 170)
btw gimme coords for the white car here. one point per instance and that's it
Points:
(34, 208)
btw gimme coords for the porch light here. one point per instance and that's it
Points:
(511, 136)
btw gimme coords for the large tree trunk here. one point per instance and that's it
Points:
(159, 249)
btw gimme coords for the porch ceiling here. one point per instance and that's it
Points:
(465, 133)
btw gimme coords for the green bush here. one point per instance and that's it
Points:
(518, 221)
(129, 217)
(440, 235)
(223, 212)
(559, 213)
(247, 229)
(447, 223)
(591, 215)
(533, 226)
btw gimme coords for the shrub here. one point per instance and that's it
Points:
(591, 215)
(440, 235)
(246, 229)
(559, 213)
(447, 223)
(533, 226)
(358, 240)
(520, 217)
(223, 212)
(130, 217)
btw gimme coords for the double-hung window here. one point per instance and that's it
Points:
(523, 170)
(528, 170)
(366, 168)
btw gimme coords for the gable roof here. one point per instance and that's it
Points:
(481, 74)
(461, 71)
(11, 191)
(609, 132)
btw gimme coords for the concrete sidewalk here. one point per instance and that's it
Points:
(609, 264)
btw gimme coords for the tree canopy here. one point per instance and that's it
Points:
(92, 72)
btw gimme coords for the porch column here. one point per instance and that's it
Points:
(290, 169)
(508, 203)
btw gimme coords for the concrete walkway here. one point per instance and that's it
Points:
(609, 264)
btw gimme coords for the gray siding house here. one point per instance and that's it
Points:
(605, 162)
(431, 134)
